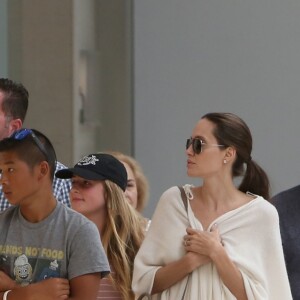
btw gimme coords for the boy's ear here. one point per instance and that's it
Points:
(44, 168)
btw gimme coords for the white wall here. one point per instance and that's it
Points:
(46, 40)
(84, 40)
(3, 38)
(40, 48)
(194, 57)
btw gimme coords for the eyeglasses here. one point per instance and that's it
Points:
(198, 144)
(21, 134)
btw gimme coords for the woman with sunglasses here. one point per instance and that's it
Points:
(226, 244)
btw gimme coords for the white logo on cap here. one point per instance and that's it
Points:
(88, 160)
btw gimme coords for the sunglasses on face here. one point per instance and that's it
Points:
(197, 145)
(21, 134)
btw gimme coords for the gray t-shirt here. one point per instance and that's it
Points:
(65, 245)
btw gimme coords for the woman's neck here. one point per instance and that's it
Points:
(217, 194)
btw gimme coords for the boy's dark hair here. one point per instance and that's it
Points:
(15, 102)
(30, 151)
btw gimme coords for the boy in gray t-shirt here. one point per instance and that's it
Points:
(47, 251)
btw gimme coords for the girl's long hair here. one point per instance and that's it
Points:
(121, 237)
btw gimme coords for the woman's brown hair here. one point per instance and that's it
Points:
(231, 131)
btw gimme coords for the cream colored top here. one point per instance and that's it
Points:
(250, 235)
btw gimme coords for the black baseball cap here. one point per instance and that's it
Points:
(98, 166)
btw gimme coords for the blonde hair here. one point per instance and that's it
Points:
(141, 180)
(121, 237)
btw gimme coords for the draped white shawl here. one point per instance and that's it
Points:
(250, 235)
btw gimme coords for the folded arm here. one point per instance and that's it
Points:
(210, 244)
(49, 289)
(83, 287)
(172, 273)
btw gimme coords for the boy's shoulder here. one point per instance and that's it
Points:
(69, 216)
(8, 213)
(62, 216)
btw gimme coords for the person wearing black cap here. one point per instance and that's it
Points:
(48, 251)
(98, 184)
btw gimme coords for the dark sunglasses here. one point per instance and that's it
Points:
(197, 145)
(21, 134)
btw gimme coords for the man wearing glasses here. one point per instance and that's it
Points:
(13, 109)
